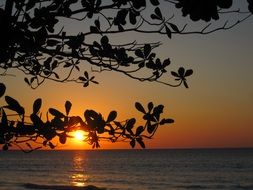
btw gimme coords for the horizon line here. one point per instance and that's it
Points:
(139, 149)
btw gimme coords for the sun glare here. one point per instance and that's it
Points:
(79, 135)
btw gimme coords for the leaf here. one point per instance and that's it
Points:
(90, 115)
(166, 62)
(188, 72)
(120, 27)
(250, 6)
(154, 2)
(45, 143)
(150, 64)
(54, 64)
(63, 138)
(56, 75)
(82, 79)
(47, 62)
(86, 74)
(185, 84)
(137, 4)
(30, 5)
(151, 128)
(139, 53)
(32, 80)
(84, 3)
(174, 27)
(27, 17)
(150, 106)
(2, 89)
(98, 3)
(67, 64)
(225, 4)
(51, 145)
(141, 64)
(139, 107)
(94, 29)
(77, 68)
(86, 84)
(174, 74)
(97, 24)
(147, 50)
(118, 124)
(38, 123)
(90, 14)
(153, 16)
(168, 32)
(139, 130)
(111, 116)
(56, 113)
(4, 121)
(67, 107)
(27, 81)
(140, 141)
(96, 45)
(132, 17)
(120, 18)
(58, 123)
(37, 105)
(158, 13)
(58, 49)
(166, 121)
(95, 82)
(158, 109)
(14, 105)
(158, 63)
(130, 123)
(181, 72)
(104, 40)
(49, 134)
(132, 143)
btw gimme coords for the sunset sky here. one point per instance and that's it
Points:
(216, 111)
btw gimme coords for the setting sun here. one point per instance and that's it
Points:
(79, 135)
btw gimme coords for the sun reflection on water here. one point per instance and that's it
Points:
(79, 178)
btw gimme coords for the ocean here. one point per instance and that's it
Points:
(128, 169)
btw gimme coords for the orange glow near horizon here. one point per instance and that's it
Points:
(215, 112)
(79, 135)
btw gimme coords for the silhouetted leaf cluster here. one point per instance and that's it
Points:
(33, 41)
(250, 5)
(86, 79)
(204, 10)
(182, 74)
(26, 135)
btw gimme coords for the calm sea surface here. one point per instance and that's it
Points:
(128, 169)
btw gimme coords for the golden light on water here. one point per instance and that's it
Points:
(78, 180)
(79, 177)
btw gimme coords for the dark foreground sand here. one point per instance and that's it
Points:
(59, 187)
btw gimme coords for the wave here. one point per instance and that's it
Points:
(239, 187)
(60, 187)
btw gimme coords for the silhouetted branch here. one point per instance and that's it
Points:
(33, 41)
(34, 37)
(21, 133)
